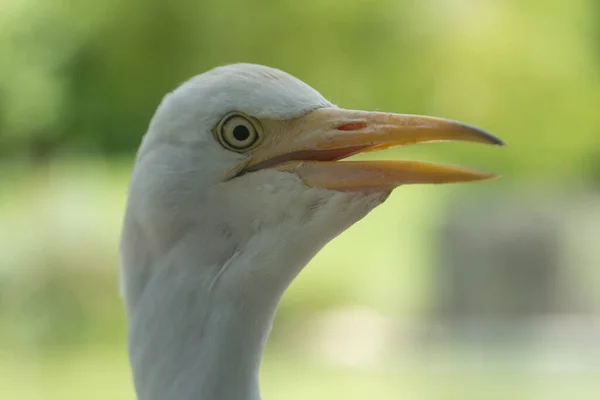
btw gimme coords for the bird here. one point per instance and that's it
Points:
(239, 180)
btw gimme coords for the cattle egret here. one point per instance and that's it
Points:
(237, 184)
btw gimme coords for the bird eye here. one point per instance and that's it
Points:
(237, 132)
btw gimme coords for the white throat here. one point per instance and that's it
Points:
(199, 313)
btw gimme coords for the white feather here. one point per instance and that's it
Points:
(205, 262)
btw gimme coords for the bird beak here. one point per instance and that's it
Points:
(310, 146)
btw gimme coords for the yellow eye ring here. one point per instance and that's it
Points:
(238, 132)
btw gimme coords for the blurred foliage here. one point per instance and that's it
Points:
(87, 76)
(59, 235)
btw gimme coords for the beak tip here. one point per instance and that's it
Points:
(490, 176)
(487, 137)
(497, 142)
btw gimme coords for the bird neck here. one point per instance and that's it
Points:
(200, 308)
(189, 342)
(201, 295)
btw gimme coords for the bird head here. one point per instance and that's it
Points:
(246, 150)
(255, 144)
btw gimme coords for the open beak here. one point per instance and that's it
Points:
(310, 146)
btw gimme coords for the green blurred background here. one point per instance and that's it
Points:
(485, 291)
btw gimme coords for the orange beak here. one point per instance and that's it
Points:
(310, 146)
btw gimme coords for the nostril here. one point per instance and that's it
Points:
(352, 126)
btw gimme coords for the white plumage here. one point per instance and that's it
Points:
(235, 188)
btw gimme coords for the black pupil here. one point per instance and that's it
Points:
(241, 133)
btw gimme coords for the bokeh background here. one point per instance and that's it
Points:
(483, 291)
